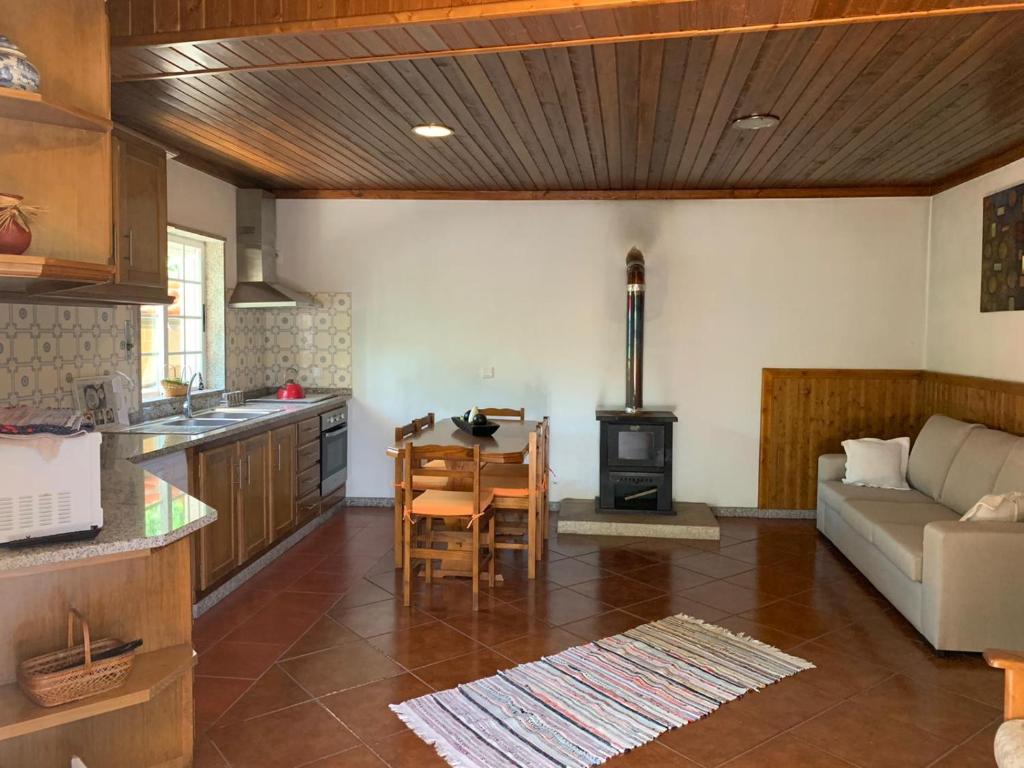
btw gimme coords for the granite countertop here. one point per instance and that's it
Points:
(140, 510)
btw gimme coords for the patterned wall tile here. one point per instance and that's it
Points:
(316, 341)
(42, 348)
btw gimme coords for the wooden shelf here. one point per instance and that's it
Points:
(33, 108)
(39, 274)
(151, 673)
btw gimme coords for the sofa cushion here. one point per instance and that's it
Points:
(1009, 744)
(933, 453)
(975, 468)
(903, 546)
(865, 516)
(1011, 476)
(835, 492)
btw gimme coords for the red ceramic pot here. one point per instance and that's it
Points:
(291, 391)
(15, 240)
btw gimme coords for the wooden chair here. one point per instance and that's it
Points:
(464, 514)
(402, 434)
(517, 489)
(512, 414)
(1009, 742)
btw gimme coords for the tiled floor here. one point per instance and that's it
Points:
(297, 668)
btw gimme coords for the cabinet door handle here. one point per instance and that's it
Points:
(239, 473)
(248, 470)
(278, 457)
(131, 247)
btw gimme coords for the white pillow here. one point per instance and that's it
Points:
(1004, 508)
(877, 463)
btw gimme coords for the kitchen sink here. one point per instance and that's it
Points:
(217, 418)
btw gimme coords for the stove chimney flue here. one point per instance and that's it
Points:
(635, 288)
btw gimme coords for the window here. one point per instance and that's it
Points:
(173, 343)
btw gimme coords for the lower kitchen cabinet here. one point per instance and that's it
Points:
(217, 477)
(253, 509)
(282, 481)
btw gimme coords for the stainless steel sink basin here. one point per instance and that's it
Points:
(206, 421)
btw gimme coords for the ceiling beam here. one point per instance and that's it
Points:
(600, 194)
(697, 24)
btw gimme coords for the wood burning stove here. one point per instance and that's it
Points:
(636, 461)
(636, 443)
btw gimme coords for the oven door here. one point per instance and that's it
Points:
(635, 445)
(333, 459)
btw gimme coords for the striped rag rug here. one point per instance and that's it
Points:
(590, 703)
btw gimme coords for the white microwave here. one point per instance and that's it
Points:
(49, 488)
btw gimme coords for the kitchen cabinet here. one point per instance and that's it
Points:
(140, 212)
(307, 485)
(218, 542)
(253, 509)
(282, 481)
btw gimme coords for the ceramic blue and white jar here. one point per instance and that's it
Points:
(16, 71)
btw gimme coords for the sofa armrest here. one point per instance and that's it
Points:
(831, 466)
(971, 577)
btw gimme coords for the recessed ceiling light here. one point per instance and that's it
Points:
(432, 131)
(755, 122)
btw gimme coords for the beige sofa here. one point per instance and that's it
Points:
(960, 584)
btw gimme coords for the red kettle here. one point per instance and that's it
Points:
(290, 390)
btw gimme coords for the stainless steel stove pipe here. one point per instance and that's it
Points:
(634, 330)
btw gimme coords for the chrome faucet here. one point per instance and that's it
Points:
(186, 409)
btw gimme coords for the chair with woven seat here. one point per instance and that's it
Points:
(519, 489)
(463, 516)
(403, 433)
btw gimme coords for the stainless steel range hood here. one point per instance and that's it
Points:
(258, 287)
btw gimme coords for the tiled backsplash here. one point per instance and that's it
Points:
(317, 341)
(42, 348)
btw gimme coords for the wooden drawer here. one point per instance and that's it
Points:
(308, 456)
(307, 508)
(309, 431)
(308, 481)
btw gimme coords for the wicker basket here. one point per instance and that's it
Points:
(47, 688)
(171, 389)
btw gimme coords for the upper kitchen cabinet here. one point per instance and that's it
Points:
(140, 213)
(56, 150)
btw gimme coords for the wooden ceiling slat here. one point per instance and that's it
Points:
(652, 65)
(698, 60)
(671, 85)
(628, 59)
(565, 84)
(585, 75)
(543, 83)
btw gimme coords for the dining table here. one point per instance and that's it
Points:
(509, 445)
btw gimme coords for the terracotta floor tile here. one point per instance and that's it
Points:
(407, 750)
(283, 739)
(776, 582)
(616, 560)
(538, 644)
(337, 669)
(474, 665)
(363, 592)
(796, 619)
(618, 591)
(321, 581)
(422, 645)
(275, 624)
(326, 633)
(762, 551)
(357, 757)
(651, 755)
(786, 703)
(572, 545)
(720, 736)
(213, 696)
(785, 751)
(570, 571)
(714, 565)
(603, 625)
(496, 624)
(668, 577)
(939, 712)
(561, 606)
(976, 752)
(835, 672)
(762, 632)
(297, 602)
(451, 596)
(724, 596)
(965, 674)
(672, 604)
(852, 732)
(235, 659)
(378, 618)
(206, 755)
(275, 690)
(364, 710)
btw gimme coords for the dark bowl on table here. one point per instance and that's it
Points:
(486, 429)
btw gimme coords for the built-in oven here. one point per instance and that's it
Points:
(333, 450)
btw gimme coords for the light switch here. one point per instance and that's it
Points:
(487, 372)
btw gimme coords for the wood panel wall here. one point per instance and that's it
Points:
(808, 412)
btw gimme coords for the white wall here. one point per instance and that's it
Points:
(201, 202)
(962, 339)
(536, 289)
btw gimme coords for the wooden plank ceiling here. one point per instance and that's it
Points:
(549, 102)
